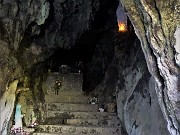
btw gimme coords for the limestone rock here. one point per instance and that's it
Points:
(155, 23)
(25, 34)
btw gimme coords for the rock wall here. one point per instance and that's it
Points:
(137, 102)
(155, 23)
(128, 83)
(14, 19)
(7, 105)
(30, 31)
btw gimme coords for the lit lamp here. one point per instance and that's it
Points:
(122, 27)
(121, 18)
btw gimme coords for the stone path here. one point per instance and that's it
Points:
(69, 113)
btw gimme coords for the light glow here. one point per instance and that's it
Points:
(122, 27)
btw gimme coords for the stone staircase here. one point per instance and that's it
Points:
(69, 113)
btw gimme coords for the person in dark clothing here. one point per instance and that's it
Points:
(57, 86)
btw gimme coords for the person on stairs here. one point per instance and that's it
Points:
(57, 86)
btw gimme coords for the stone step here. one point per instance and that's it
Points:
(61, 134)
(83, 122)
(53, 121)
(66, 99)
(80, 115)
(67, 92)
(43, 133)
(55, 134)
(93, 122)
(71, 107)
(49, 134)
(79, 129)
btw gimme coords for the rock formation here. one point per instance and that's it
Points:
(155, 23)
(32, 31)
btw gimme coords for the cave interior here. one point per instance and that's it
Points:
(95, 67)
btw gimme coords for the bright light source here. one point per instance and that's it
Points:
(122, 27)
(121, 18)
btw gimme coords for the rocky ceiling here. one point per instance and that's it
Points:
(32, 31)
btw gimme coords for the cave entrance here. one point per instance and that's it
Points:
(78, 58)
(81, 53)
(94, 48)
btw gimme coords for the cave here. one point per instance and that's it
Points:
(94, 67)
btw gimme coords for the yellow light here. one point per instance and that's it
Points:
(122, 27)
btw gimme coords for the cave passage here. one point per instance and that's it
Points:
(89, 67)
(83, 52)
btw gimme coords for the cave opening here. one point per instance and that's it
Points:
(82, 51)
(88, 45)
